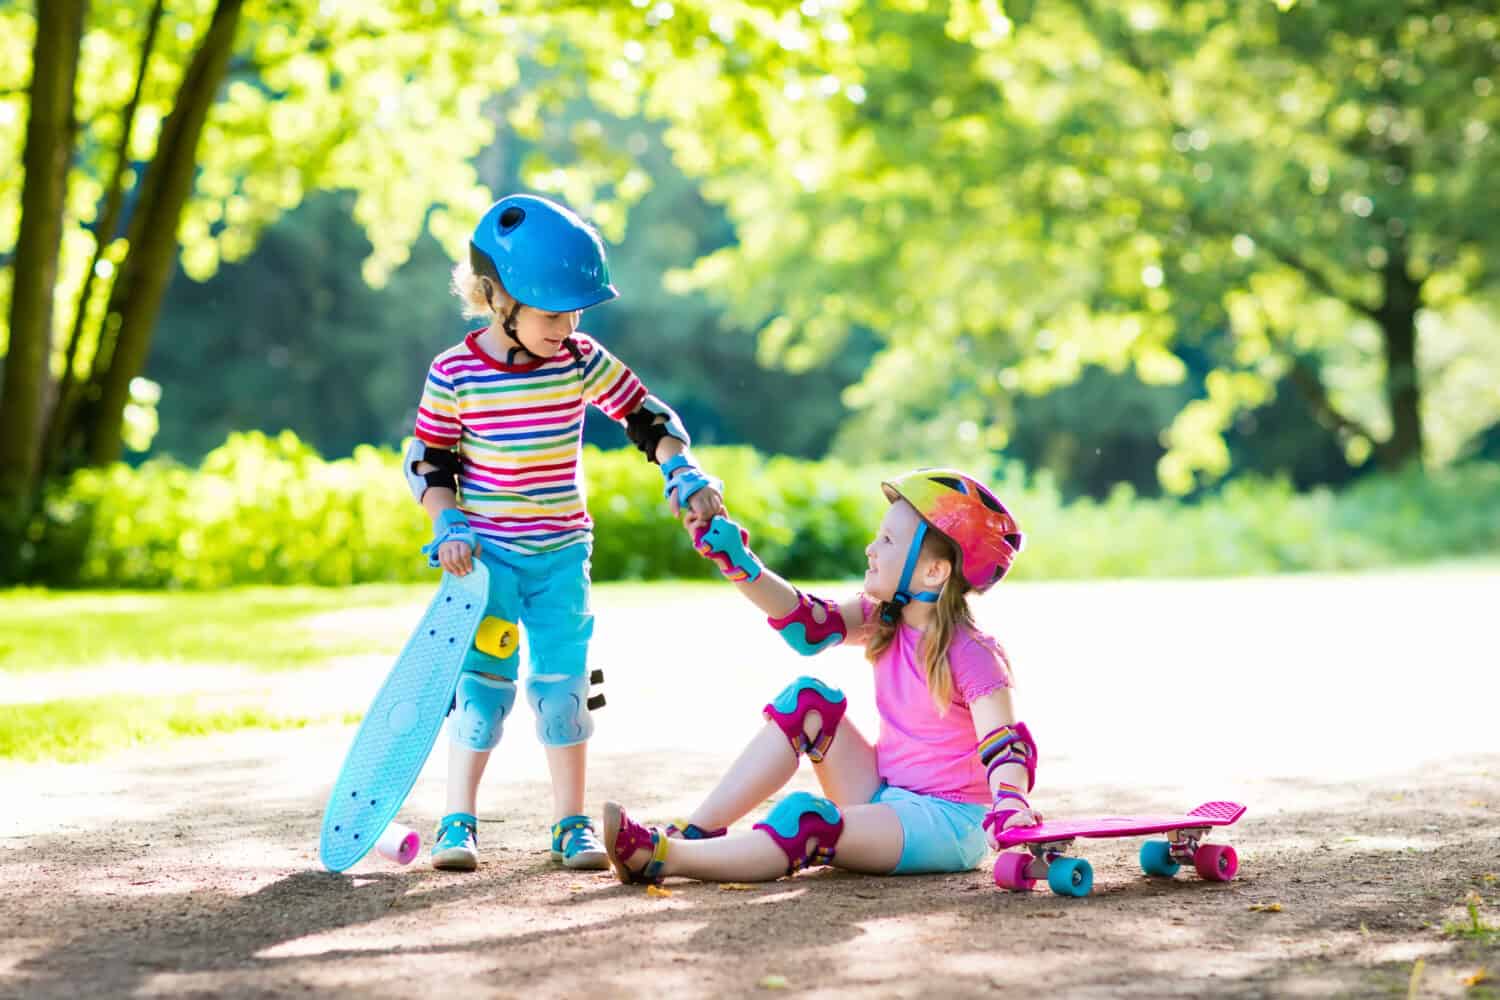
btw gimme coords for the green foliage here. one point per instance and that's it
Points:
(1009, 198)
(269, 510)
(297, 340)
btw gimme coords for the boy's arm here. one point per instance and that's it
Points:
(658, 432)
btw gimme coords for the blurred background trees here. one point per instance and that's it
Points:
(1162, 245)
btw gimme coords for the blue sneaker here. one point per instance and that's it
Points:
(455, 846)
(576, 845)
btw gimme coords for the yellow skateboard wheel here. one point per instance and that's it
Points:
(497, 637)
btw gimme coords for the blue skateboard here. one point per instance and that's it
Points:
(403, 722)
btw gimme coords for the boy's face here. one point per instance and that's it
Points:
(542, 333)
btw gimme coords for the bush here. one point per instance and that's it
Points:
(269, 510)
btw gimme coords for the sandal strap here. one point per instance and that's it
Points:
(692, 831)
(466, 820)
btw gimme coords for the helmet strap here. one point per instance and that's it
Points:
(903, 595)
(508, 324)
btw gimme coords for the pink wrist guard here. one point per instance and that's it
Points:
(802, 630)
(1008, 802)
(1009, 745)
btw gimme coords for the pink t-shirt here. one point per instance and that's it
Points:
(919, 749)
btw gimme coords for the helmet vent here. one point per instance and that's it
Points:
(957, 485)
(989, 500)
(511, 218)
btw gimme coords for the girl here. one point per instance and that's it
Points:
(495, 464)
(949, 741)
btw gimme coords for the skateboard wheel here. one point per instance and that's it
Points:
(399, 844)
(1216, 862)
(1010, 871)
(1070, 877)
(1156, 859)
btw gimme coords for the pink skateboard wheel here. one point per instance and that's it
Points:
(1216, 862)
(1010, 871)
(399, 843)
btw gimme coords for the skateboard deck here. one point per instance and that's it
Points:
(398, 731)
(1046, 844)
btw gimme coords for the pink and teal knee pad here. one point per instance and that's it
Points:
(788, 710)
(807, 829)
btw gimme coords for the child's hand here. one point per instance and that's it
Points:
(999, 820)
(457, 557)
(453, 544)
(706, 504)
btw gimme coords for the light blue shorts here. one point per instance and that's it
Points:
(548, 592)
(941, 836)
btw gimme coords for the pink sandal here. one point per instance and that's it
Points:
(623, 836)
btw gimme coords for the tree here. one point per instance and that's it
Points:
(1076, 184)
(296, 339)
(49, 140)
(194, 134)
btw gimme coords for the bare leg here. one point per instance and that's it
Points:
(465, 768)
(847, 771)
(765, 764)
(568, 766)
(871, 842)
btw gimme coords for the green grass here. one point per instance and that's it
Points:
(1476, 928)
(256, 628)
(260, 628)
(74, 729)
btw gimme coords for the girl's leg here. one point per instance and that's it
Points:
(870, 841)
(846, 769)
(765, 764)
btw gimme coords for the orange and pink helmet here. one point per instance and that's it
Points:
(964, 511)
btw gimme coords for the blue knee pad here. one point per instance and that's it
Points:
(561, 703)
(480, 706)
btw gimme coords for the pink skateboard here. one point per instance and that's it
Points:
(1046, 843)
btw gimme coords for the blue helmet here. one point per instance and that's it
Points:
(545, 256)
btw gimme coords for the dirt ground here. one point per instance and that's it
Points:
(1355, 716)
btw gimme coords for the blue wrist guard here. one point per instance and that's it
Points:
(684, 478)
(451, 526)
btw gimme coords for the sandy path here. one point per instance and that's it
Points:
(1356, 716)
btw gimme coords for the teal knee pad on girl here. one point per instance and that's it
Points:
(806, 827)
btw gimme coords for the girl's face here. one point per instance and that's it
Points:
(887, 555)
(542, 333)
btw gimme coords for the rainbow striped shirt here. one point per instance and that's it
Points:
(519, 432)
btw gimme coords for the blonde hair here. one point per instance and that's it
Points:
(951, 612)
(469, 287)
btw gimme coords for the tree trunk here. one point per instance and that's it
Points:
(61, 418)
(49, 150)
(1403, 390)
(135, 300)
